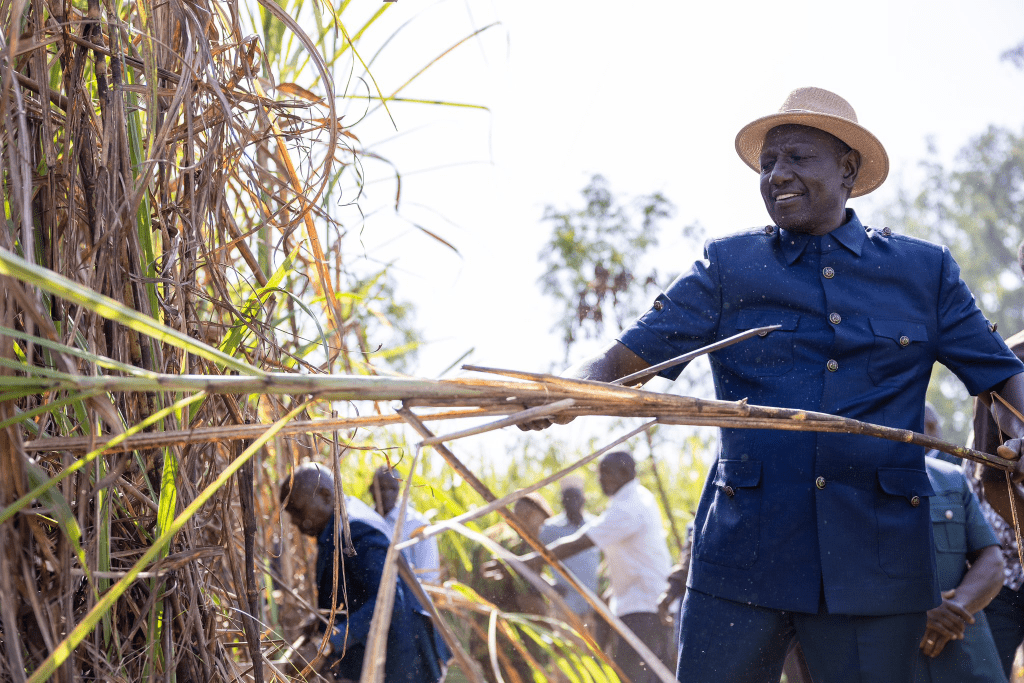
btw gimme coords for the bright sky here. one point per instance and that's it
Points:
(651, 95)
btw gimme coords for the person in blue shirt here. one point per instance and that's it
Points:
(584, 564)
(957, 645)
(825, 537)
(415, 653)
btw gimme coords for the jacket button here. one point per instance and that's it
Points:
(829, 272)
(658, 305)
(887, 231)
(904, 340)
(835, 318)
(820, 482)
(728, 490)
(992, 327)
(949, 514)
(769, 229)
(915, 501)
(832, 365)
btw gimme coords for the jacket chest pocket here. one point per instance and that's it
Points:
(732, 529)
(765, 356)
(949, 524)
(899, 349)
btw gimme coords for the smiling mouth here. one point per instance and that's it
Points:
(788, 195)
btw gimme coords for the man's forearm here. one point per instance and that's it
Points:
(993, 483)
(608, 365)
(565, 547)
(1012, 392)
(982, 581)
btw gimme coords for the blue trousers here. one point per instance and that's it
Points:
(721, 640)
(1005, 616)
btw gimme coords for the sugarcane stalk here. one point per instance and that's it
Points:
(548, 556)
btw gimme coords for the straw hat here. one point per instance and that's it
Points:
(825, 111)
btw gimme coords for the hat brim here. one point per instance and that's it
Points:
(874, 165)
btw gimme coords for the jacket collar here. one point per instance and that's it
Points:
(850, 234)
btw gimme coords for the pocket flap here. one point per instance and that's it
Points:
(894, 329)
(904, 482)
(748, 319)
(738, 473)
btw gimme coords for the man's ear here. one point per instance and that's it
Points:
(850, 163)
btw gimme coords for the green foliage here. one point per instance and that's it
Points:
(976, 208)
(593, 259)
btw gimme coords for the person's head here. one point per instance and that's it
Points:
(532, 510)
(932, 421)
(806, 178)
(615, 471)
(812, 155)
(384, 489)
(308, 496)
(573, 498)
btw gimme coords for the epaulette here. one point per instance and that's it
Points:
(886, 231)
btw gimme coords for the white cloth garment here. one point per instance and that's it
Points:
(630, 534)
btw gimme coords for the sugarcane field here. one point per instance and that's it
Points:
(383, 341)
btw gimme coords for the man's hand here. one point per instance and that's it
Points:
(607, 365)
(494, 570)
(545, 422)
(946, 622)
(1011, 450)
(932, 643)
(664, 600)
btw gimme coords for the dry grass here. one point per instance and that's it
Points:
(159, 155)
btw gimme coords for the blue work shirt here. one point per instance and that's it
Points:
(787, 518)
(414, 651)
(960, 531)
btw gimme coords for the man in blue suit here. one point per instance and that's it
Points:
(957, 646)
(820, 536)
(414, 652)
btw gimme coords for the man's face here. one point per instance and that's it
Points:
(805, 179)
(531, 516)
(389, 487)
(312, 513)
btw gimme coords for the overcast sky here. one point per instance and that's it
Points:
(651, 95)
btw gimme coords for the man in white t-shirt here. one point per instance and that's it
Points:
(630, 534)
(423, 556)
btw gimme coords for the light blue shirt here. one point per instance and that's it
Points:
(583, 565)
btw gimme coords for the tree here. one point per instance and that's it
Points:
(593, 259)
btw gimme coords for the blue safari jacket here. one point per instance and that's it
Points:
(960, 531)
(864, 315)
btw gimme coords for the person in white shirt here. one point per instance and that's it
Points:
(424, 556)
(630, 534)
